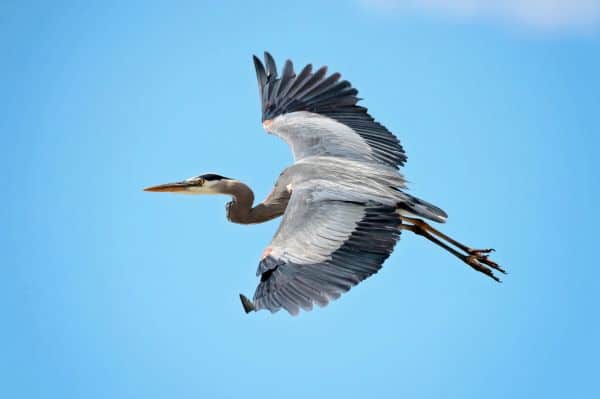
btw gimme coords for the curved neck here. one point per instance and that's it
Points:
(240, 210)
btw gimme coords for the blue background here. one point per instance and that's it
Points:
(111, 292)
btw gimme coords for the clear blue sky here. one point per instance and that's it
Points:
(111, 292)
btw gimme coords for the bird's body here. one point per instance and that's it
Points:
(344, 201)
(331, 178)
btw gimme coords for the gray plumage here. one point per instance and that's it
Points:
(324, 96)
(344, 201)
(342, 220)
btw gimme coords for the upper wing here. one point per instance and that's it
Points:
(321, 250)
(317, 114)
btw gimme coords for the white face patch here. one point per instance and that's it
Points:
(209, 187)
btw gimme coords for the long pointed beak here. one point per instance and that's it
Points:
(169, 187)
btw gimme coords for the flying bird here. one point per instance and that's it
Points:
(344, 201)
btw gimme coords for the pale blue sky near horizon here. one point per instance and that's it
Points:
(111, 292)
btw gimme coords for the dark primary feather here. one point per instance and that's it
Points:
(325, 95)
(261, 75)
(294, 286)
(270, 64)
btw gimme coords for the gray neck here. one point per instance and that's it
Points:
(240, 210)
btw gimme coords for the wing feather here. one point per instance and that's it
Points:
(287, 77)
(270, 65)
(321, 250)
(327, 96)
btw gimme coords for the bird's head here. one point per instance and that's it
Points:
(204, 184)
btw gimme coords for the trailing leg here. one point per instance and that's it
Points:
(478, 259)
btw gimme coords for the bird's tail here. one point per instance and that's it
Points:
(414, 206)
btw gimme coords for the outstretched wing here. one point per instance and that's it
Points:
(321, 250)
(316, 114)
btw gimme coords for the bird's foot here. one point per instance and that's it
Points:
(479, 260)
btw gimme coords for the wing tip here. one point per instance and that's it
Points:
(270, 65)
(257, 61)
(247, 304)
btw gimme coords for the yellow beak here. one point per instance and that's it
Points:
(169, 187)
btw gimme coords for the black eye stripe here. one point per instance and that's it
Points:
(212, 177)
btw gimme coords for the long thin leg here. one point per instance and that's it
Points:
(481, 253)
(432, 230)
(474, 258)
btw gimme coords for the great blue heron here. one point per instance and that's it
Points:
(343, 201)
